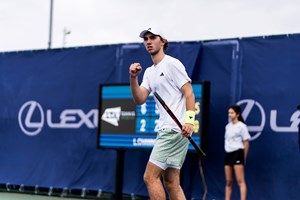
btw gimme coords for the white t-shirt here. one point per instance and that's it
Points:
(167, 78)
(235, 134)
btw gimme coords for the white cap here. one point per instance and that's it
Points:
(154, 31)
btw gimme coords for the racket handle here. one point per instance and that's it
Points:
(197, 148)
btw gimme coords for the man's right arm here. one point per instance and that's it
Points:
(139, 94)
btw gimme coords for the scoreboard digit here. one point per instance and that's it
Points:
(147, 117)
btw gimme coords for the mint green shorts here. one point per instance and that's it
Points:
(170, 148)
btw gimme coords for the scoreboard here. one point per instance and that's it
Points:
(123, 124)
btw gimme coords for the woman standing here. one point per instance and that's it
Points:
(236, 148)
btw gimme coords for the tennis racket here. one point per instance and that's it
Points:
(161, 101)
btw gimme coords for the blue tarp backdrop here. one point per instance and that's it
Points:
(49, 102)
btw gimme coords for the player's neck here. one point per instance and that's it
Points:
(235, 121)
(158, 57)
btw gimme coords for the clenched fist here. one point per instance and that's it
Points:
(135, 69)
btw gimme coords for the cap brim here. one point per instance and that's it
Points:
(142, 34)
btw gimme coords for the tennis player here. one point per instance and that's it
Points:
(167, 76)
(236, 150)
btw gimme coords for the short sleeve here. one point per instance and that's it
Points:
(178, 74)
(145, 82)
(245, 133)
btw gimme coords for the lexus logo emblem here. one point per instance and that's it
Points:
(28, 126)
(252, 106)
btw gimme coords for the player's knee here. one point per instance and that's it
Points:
(240, 182)
(229, 183)
(168, 185)
(171, 185)
(148, 179)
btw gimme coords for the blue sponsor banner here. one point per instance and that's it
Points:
(49, 115)
(262, 76)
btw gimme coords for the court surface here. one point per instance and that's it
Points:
(14, 196)
(17, 196)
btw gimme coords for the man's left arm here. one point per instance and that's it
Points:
(187, 91)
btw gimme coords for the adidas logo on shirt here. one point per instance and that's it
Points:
(162, 74)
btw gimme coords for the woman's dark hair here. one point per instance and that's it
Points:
(237, 109)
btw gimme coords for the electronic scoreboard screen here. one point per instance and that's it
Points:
(123, 124)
